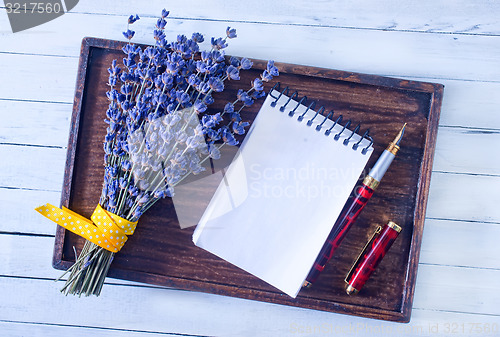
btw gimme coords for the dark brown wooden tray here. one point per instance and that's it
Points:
(170, 258)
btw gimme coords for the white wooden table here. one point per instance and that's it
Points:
(454, 42)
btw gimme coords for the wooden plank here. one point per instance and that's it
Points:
(458, 289)
(391, 53)
(465, 103)
(461, 243)
(470, 104)
(18, 207)
(34, 123)
(463, 197)
(458, 187)
(445, 289)
(52, 161)
(31, 167)
(35, 329)
(443, 244)
(467, 150)
(424, 323)
(48, 124)
(456, 148)
(54, 80)
(437, 16)
(34, 261)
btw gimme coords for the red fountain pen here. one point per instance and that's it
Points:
(369, 258)
(353, 207)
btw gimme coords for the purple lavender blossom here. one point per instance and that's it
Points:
(246, 64)
(234, 61)
(228, 137)
(271, 68)
(245, 98)
(200, 107)
(229, 108)
(198, 38)
(159, 35)
(133, 19)
(201, 67)
(258, 94)
(257, 85)
(218, 43)
(235, 116)
(233, 73)
(126, 165)
(208, 99)
(216, 84)
(266, 76)
(129, 34)
(209, 121)
(239, 127)
(230, 33)
(161, 23)
(193, 80)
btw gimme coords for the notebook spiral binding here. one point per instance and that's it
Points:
(321, 112)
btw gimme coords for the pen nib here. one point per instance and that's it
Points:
(398, 138)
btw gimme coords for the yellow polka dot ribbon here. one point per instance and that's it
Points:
(104, 228)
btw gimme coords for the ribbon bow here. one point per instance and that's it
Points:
(105, 229)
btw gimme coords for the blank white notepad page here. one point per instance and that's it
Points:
(281, 195)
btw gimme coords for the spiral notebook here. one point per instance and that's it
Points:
(281, 195)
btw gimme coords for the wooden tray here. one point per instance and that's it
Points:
(170, 258)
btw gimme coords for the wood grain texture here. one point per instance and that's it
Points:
(470, 193)
(467, 197)
(42, 124)
(27, 256)
(49, 85)
(470, 104)
(40, 175)
(438, 56)
(337, 40)
(172, 311)
(17, 207)
(446, 16)
(444, 243)
(456, 144)
(382, 103)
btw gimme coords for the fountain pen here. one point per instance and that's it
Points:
(353, 207)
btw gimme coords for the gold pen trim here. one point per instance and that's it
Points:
(394, 226)
(350, 290)
(393, 148)
(377, 231)
(371, 182)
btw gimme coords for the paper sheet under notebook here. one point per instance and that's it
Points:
(281, 195)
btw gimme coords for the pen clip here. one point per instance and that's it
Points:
(377, 231)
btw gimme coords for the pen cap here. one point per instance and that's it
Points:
(371, 255)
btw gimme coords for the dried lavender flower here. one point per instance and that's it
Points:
(160, 125)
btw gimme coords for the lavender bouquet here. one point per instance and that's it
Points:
(159, 129)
